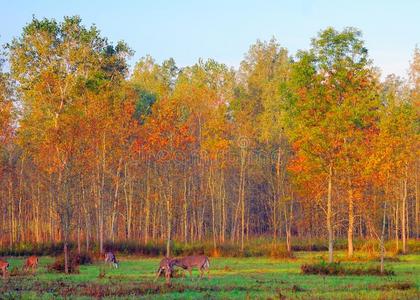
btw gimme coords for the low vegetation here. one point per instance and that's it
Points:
(75, 260)
(255, 247)
(337, 269)
(231, 278)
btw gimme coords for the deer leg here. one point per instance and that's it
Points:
(158, 273)
(168, 276)
(190, 271)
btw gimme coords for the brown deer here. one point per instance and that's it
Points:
(166, 264)
(201, 262)
(4, 265)
(31, 263)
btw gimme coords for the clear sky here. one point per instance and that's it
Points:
(224, 30)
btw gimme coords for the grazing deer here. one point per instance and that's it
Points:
(111, 259)
(166, 264)
(4, 265)
(199, 261)
(31, 263)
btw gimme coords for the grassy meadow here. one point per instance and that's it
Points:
(230, 278)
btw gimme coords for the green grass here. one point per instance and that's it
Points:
(253, 278)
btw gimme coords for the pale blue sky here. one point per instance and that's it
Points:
(224, 30)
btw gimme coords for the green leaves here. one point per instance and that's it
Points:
(144, 105)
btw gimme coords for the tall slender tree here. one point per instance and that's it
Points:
(334, 104)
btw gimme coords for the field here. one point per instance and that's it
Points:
(252, 278)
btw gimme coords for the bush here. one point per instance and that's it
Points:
(387, 258)
(281, 253)
(336, 269)
(256, 246)
(394, 286)
(27, 249)
(133, 247)
(102, 273)
(17, 272)
(74, 261)
(82, 258)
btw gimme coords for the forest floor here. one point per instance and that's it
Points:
(240, 278)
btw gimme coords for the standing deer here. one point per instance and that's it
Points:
(111, 259)
(4, 265)
(166, 264)
(199, 261)
(31, 263)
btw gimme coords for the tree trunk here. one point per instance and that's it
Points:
(147, 208)
(79, 246)
(213, 212)
(169, 229)
(417, 209)
(242, 197)
(11, 209)
(397, 242)
(101, 200)
(382, 242)
(329, 215)
(289, 222)
(66, 258)
(185, 211)
(404, 211)
(351, 223)
(223, 210)
(168, 198)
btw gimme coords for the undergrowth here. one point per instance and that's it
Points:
(337, 269)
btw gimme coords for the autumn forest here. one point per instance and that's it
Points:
(288, 147)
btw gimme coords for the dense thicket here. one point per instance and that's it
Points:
(312, 145)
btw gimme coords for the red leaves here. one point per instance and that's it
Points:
(165, 134)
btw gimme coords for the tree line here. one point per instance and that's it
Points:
(311, 145)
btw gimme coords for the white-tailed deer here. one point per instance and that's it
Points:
(111, 259)
(4, 265)
(31, 263)
(166, 265)
(201, 262)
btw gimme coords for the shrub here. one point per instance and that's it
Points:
(297, 288)
(17, 272)
(281, 253)
(133, 247)
(102, 273)
(73, 263)
(261, 246)
(82, 258)
(227, 269)
(394, 286)
(336, 269)
(26, 249)
(387, 258)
